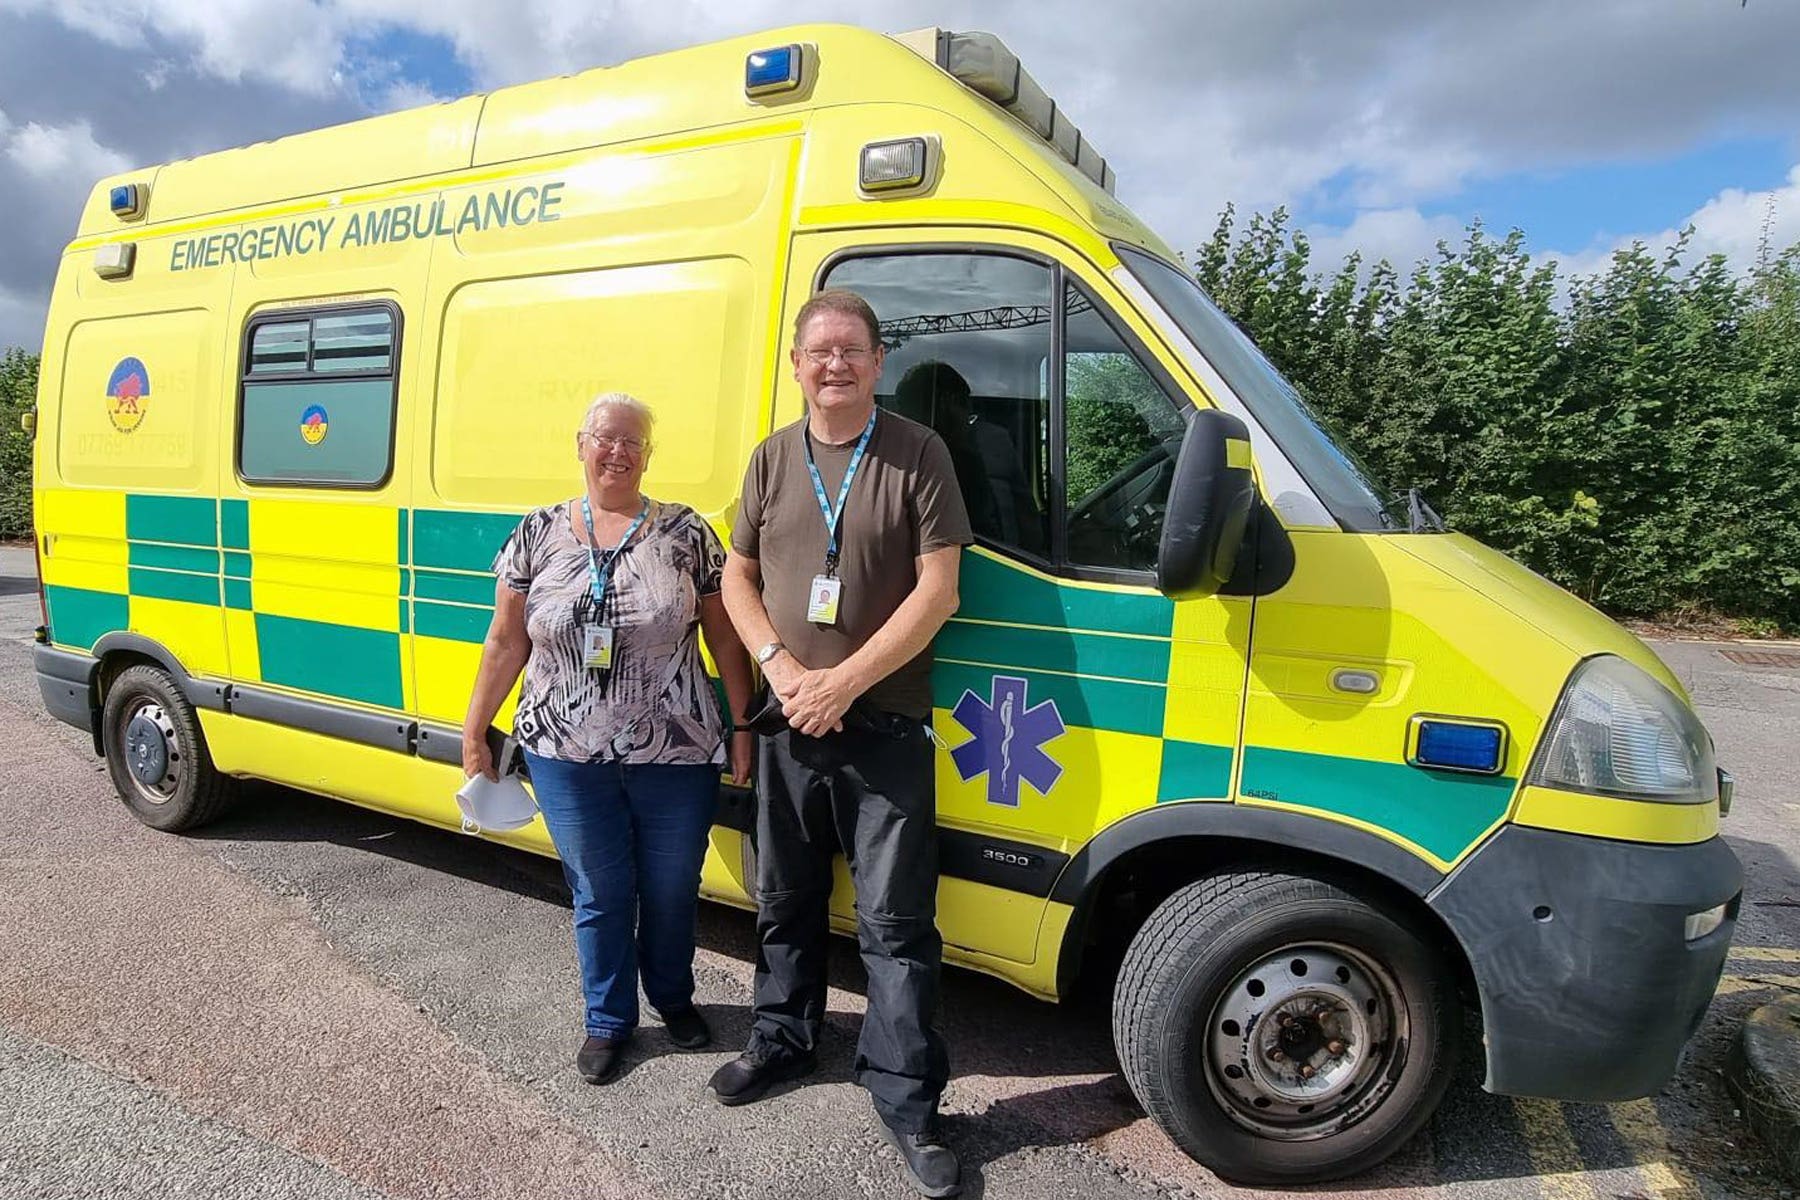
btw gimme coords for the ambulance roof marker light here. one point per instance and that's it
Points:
(775, 70)
(982, 63)
(128, 200)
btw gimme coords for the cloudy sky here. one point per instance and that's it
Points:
(1382, 124)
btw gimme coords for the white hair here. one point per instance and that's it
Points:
(624, 400)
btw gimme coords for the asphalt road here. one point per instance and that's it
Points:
(312, 1000)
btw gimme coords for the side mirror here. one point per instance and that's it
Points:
(1210, 502)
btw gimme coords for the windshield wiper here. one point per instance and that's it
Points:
(1420, 516)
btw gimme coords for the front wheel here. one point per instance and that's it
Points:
(156, 754)
(1283, 1030)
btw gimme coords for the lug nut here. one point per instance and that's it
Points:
(1334, 1046)
(1277, 1056)
(1307, 1072)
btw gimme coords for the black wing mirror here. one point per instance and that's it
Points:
(1210, 502)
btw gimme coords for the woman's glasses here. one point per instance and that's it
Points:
(606, 443)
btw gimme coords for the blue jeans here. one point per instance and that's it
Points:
(631, 839)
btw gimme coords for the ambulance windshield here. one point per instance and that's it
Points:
(1341, 482)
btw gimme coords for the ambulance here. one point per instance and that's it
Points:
(1228, 728)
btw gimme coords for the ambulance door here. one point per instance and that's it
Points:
(313, 521)
(1067, 690)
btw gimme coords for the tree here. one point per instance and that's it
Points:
(1638, 442)
(18, 394)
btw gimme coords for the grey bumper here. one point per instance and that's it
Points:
(1589, 988)
(66, 682)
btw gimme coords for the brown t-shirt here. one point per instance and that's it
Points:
(903, 503)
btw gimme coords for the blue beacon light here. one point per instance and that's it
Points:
(773, 70)
(126, 200)
(1457, 747)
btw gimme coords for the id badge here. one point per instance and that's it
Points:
(597, 647)
(822, 600)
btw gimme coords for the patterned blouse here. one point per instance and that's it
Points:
(656, 703)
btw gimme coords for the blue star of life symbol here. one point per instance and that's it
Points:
(1008, 740)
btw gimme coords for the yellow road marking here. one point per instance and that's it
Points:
(1555, 1158)
(1643, 1132)
(1778, 954)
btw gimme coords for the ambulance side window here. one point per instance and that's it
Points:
(968, 339)
(1123, 435)
(316, 402)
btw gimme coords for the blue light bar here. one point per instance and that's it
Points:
(775, 70)
(1455, 746)
(126, 200)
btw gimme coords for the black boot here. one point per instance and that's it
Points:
(687, 1028)
(930, 1164)
(755, 1071)
(600, 1058)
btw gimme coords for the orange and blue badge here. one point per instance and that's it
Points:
(128, 394)
(314, 424)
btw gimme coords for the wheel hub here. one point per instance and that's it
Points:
(1307, 1047)
(1299, 1042)
(151, 753)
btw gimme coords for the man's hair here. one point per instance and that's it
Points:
(837, 300)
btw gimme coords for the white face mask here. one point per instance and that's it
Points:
(498, 806)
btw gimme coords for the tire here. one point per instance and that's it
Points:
(1239, 983)
(156, 754)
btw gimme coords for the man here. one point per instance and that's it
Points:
(843, 567)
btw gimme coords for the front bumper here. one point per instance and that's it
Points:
(1589, 987)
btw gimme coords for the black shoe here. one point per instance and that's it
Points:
(601, 1058)
(755, 1071)
(687, 1028)
(930, 1164)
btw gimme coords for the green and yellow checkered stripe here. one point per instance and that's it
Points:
(316, 597)
(387, 608)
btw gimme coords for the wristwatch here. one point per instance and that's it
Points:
(767, 652)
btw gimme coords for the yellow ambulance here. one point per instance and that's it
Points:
(1296, 772)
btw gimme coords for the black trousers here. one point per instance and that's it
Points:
(868, 792)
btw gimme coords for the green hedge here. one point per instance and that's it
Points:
(18, 387)
(1633, 435)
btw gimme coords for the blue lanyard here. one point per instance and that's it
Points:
(597, 579)
(833, 517)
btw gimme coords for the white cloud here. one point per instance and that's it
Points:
(1378, 107)
(1198, 101)
(406, 94)
(61, 152)
(1402, 236)
(295, 45)
(1734, 223)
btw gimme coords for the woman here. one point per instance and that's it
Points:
(598, 599)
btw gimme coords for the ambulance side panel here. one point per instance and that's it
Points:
(661, 276)
(126, 462)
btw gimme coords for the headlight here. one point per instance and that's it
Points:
(1618, 732)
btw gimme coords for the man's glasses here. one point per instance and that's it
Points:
(607, 443)
(853, 356)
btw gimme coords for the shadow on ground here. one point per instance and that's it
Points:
(1042, 1075)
